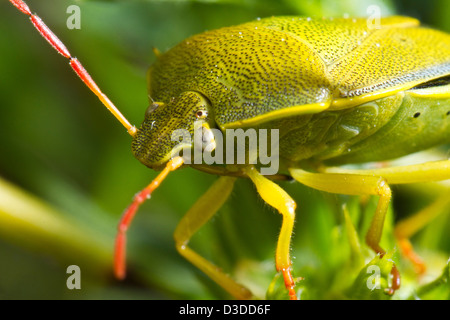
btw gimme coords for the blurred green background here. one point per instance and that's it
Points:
(67, 172)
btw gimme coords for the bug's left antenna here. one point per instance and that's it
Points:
(74, 63)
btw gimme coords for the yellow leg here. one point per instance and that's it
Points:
(275, 196)
(425, 172)
(373, 182)
(194, 219)
(353, 184)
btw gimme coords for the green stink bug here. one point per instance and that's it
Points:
(345, 135)
(284, 73)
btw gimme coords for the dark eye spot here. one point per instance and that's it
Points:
(448, 113)
(201, 114)
(416, 115)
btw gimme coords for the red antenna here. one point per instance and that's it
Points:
(173, 164)
(74, 63)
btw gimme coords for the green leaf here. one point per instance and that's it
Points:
(439, 289)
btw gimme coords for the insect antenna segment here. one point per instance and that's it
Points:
(56, 43)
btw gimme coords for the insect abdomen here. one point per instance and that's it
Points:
(418, 124)
(331, 134)
(379, 130)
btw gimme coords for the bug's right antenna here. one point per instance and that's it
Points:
(74, 63)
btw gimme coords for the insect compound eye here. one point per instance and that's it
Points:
(201, 114)
(152, 108)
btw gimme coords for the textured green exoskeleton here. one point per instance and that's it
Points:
(339, 91)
